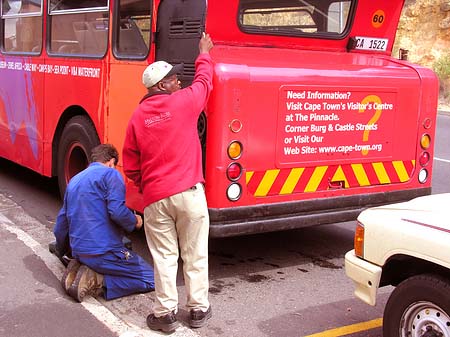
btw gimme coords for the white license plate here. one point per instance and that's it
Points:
(371, 43)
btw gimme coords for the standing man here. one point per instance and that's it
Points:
(92, 221)
(162, 155)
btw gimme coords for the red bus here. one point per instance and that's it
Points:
(311, 119)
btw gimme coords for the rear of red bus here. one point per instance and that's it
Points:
(311, 121)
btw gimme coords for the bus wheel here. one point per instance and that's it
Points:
(201, 127)
(77, 140)
(418, 306)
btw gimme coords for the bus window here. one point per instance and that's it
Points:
(22, 22)
(132, 33)
(337, 16)
(298, 18)
(78, 28)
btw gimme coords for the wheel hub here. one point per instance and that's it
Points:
(431, 332)
(425, 319)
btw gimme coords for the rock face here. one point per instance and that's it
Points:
(424, 30)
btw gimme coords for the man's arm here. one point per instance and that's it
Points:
(61, 230)
(132, 157)
(115, 198)
(202, 86)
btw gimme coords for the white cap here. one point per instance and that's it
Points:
(156, 71)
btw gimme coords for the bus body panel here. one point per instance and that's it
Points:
(374, 101)
(124, 95)
(21, 111)
(71, 81)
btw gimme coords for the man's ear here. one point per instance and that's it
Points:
(161, 86)
(110, 163)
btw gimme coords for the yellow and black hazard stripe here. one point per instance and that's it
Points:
(313, 179)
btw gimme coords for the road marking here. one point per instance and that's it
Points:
(350, 329)
(444, 160)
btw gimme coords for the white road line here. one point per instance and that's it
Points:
(103, 314)
(444, 160)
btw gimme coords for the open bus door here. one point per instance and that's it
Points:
(179, 27)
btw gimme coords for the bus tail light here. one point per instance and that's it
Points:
(234, 191)
(359, 240)
(234, 150)
(234, 171)
(425, 141)
(424, 158)
(427, 123)
(423, 176)
(235, 125)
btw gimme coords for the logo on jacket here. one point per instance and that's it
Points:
(157, 119)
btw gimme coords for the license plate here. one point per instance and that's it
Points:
(371, 43)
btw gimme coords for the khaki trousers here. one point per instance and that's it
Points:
(182, 221)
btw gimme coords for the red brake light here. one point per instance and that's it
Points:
(234, 171)
(424, 158)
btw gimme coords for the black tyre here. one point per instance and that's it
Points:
(418, 307)
(77, 140)
(201, 128)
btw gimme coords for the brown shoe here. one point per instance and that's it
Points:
(69, 274)
(87, 282)
(166, 323)
(198, 318)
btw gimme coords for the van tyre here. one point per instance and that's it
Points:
(418, 306)
(77, 141)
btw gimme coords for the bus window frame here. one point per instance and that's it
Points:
(299, 34)
(39, 13)
(53, 13)
(17, 15)
(115, 23)
(78, 10)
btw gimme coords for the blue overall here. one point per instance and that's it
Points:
(94, 217)
(124, 272)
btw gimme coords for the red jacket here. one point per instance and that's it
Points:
(162, 152)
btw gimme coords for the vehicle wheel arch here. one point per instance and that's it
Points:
(68, 115)
(400, 267)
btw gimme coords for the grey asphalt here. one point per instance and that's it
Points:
(32, 302)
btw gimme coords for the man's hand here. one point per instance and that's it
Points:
(138, 221)
(205, 44)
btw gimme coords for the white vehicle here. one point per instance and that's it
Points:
(406, 245)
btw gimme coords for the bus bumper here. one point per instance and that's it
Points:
(244, 220)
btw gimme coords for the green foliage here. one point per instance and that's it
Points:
(442, 67)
